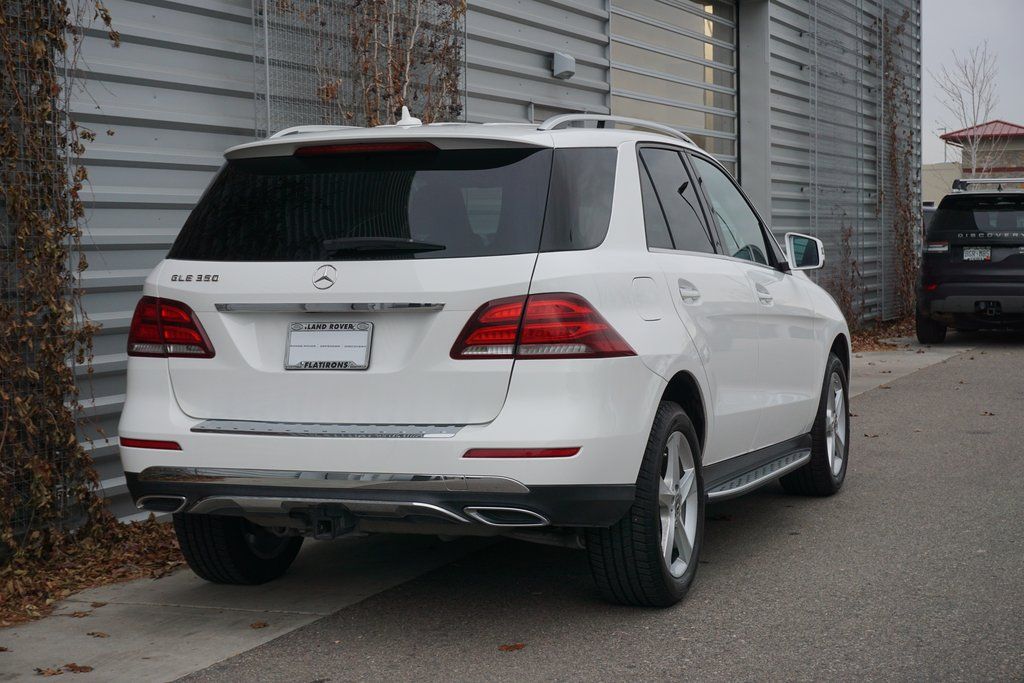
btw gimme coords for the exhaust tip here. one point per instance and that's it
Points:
(161, 504)
(506, 517)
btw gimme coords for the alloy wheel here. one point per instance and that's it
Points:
(835, 424)
(678, 504)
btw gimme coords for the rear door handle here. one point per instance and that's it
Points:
(688, 292)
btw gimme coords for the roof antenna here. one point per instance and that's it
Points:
(408, 119)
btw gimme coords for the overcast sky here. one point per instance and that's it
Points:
(960, 25)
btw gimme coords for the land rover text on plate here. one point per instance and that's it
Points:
(561, 333)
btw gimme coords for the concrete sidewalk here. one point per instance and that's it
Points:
(872, 369)
(163, 629)
(159, 630)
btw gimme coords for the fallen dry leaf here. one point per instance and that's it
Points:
(513, 647)
(78, 614)
(47, 671)
(98, 634)
(98, 604)
(871, 436)
(77, 668)
(987, 413)
(259, 624)
(31, 587)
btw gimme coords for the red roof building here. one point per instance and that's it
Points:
(1000, 147)
(992, 129)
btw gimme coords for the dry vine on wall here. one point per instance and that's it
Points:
(901, 161)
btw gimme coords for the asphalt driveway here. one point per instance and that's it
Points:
(915, 571)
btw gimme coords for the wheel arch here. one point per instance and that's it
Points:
(684, 389)
(841, 347)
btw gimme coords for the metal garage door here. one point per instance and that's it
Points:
(674, 61)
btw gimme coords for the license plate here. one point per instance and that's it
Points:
(328, 346)
(977, 253)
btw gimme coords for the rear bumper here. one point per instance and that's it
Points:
(603, 407)
(299, 498)
(994, 304)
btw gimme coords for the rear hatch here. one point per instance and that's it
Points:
(332, 283)
(976, 237)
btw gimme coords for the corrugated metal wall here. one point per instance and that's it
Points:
(827, 129)
(674, 61)
(176, 93)
(508, 58)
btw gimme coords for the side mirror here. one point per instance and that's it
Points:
(804, 252)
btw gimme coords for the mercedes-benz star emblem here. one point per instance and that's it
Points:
(324, 276)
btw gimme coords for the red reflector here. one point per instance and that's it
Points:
(931, 286)
(364, 148)
(150, 443)
(554, 325)
(521, 452)
(162, 328)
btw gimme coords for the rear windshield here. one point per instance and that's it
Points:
(974, 213)
(450, 203)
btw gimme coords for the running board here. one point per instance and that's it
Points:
(748, 481)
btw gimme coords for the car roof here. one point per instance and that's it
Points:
(451, 136)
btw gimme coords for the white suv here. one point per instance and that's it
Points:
(571, 335)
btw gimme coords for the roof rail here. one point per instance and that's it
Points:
(963, 184)
(602, 119)
(307, 129)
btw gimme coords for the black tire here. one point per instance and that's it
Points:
(929, 331)
(233, 550)
(626, 559)
(820, 476)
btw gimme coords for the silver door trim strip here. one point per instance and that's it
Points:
(328, 430)
(353, 307)
(380, 481)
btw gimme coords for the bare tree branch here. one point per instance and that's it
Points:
(967, 90)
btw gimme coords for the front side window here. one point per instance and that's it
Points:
(737, 222)
(677, 200)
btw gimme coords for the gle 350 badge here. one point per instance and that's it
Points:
(195, 277)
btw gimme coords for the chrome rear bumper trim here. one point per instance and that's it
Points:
(256, 505)
(333, 480)
(328, 431)
(367, 307)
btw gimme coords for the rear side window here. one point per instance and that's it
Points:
(460, 203)
(677, 200)
(580, 201)
(974, 213)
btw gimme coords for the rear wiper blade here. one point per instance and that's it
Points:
(377, 244)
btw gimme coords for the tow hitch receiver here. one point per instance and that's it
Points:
(328, 523)
(989, 309)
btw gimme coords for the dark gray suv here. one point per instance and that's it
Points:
(972, 272)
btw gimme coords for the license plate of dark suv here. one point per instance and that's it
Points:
(977, 253)
(328, 346)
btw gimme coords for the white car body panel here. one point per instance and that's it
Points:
(758, 367)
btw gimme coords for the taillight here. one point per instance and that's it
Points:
(150, 443)
(539, 326)
(163, 328)
(936, 247)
